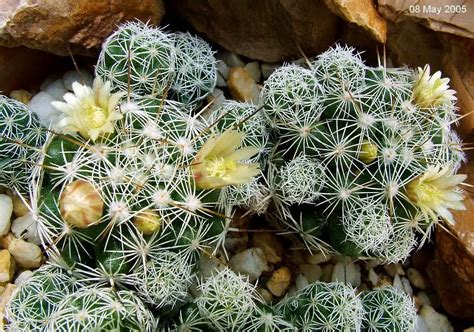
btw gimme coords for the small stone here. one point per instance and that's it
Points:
(270, 245)
(434, 321)
(416, 278)
(471, 329)
(406, 286)
(250, 262)
(4, 299)
(423, 298)
(81, 77)
(208, 265)
(242, 86)
(318, 258)
(21, 95)
(268, 68)
(26, 227)
(223, 69)
(254, 70)
(7, 266)
(371, 264)
(296, 256)
(23, 277)
(216, 98)
(397, 283)
(6, 210)
(311, 272)
(6, 240)
(349, 273)
(393, 269)
(327, 271)
(19, 206)
(373, 277)
(384, 280)
(55, 89)
(41, 105)
(301, 282)
(27, 255)
(220, 82)
(279, 281)
(230, 59)
(265, 295)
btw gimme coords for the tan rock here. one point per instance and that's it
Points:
(453, 17)
(4, 298)
(452, 269)
(280, 281)
(27, 255)
(242, 86)
(268, 30)
(6, 240)
(7, 266)
(81, 25)
(363, 13)
(458, 64)
(19, 207)
(270, 245)
(21, 95)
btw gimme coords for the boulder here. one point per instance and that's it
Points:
(454, 16)
(80, 25)
(363, 13)
(452, 269)
(267, 30)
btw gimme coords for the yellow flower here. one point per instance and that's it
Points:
(432, 90)
(91, 112)
(218, 164)
(435, 192)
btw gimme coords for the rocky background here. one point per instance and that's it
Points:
(40, 37)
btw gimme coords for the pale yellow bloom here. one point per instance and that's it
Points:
(436, 191)
(89, 111)
(431, 90)
(218, 163)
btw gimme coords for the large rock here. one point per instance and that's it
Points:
(81, 25)
(268, 30)
(362, 13)
(452, 269)
(458, 64)
(454, 16)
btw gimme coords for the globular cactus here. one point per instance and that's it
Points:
(388, 309)
(138, 58)
(21, 142)
(195, 69)
(34, 304)
(323, 307)
(382, 136)
(102, 309)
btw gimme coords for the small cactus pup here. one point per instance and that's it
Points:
(196, 72)
(139, 59)
(21, 142)
(323, 307)
(388, 309)
(372, 149)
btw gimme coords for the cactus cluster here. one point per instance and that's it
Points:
(371, 149)
(133, 186)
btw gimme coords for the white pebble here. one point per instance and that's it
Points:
(349, 273)
(416, 278)
(230, 59)
(72, 76)
(22, 277)
(220, 81)
(41, 105)
(6, 208)
(301, 282)
(254, 69)
(433, 321)
(250, 262)
(423, 298)
(373, 277)
(397, 283)
(26, 227)
(406, 286)
(56, 89)
(318, 258)
(223, 69)
(268, 68)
